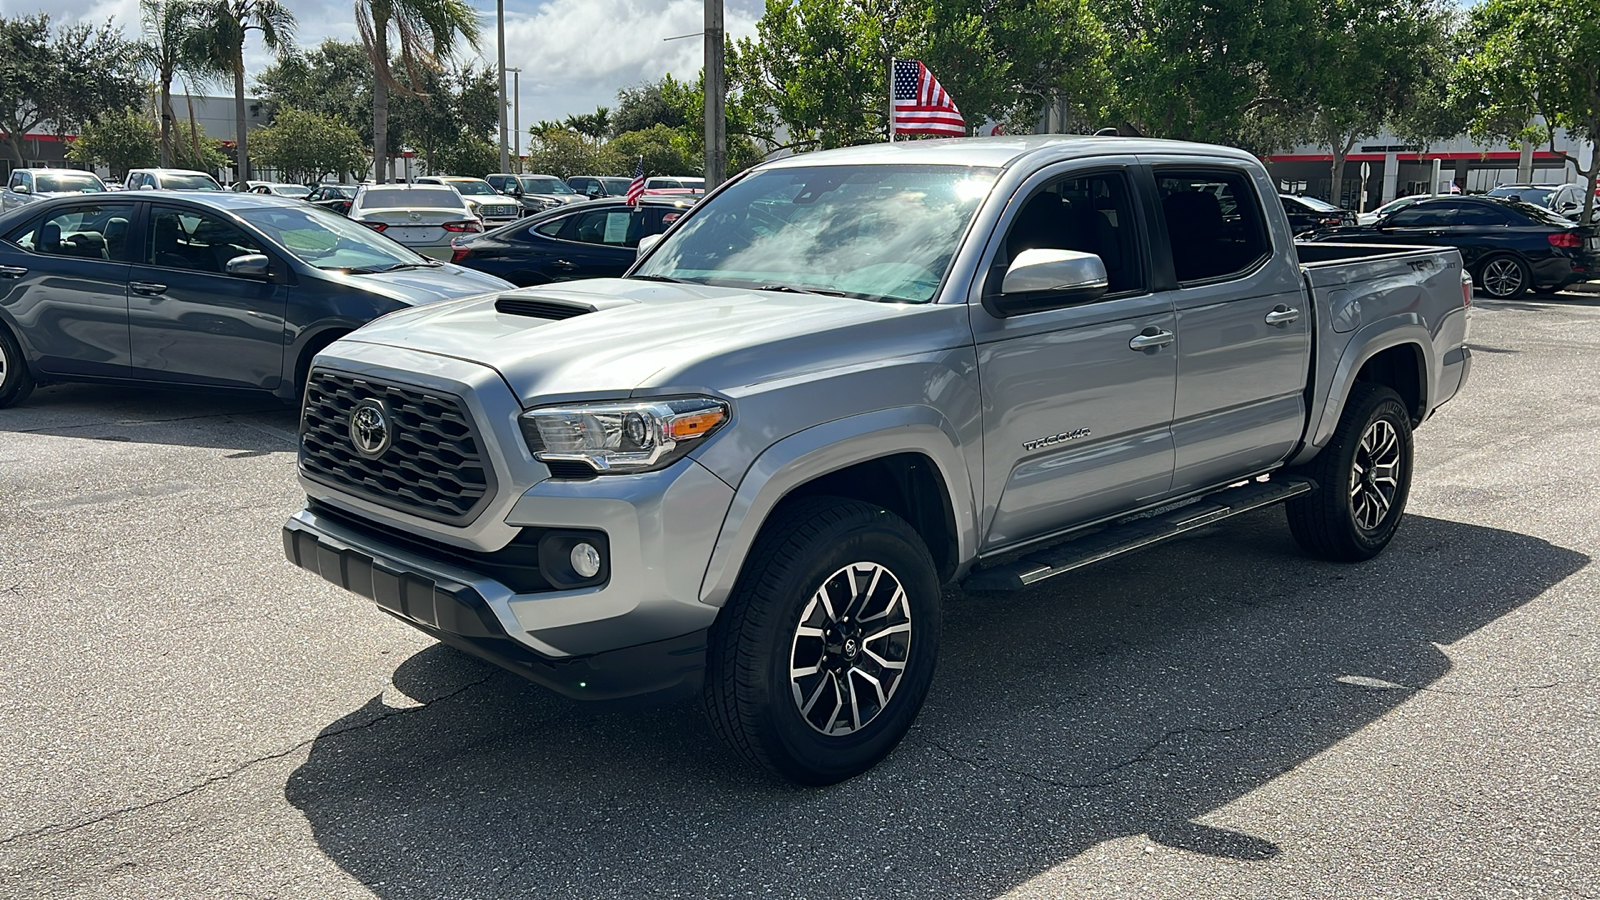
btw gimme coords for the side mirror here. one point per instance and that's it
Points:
(252, 265)
(147, 186)
(22, 189)
(1044, 279)
(648, 241)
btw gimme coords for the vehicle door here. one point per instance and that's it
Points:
(193, 322)
(1077, 398)
(18, 191)
(1244, 327)
(64, 281)
(594, 244)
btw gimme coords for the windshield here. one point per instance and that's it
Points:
(876, 232)
(327, 240)
(189, 183)
(1535, 195)
(291, 190)
(411, 198)
(615, 185)
(545, 186)
(1538, 214)
(472, 188)
(50, 184)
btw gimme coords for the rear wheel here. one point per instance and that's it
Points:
(16, 382)
(1363, 479)
(821, 660)
(1504, 277)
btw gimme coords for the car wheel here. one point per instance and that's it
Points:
(1504, 277)
(16, 382)
(1363, 478)
(820, 661)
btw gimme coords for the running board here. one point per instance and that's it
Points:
(1134, 534)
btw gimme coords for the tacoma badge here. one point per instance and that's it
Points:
(1058, 438)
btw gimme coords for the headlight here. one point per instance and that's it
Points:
(618, 438)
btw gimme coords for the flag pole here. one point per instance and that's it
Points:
(891, 100)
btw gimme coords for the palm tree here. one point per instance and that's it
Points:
(230, 22)
(173, 33)
(424, 32)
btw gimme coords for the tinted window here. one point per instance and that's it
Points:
(188, 182)
(1477, 215)
(1421, 215)
(603, 226)
(553, 227)
(1214, 222)
(1538, 214)
(546, 186)
(88, 232)
(187, 239)
(1089, 214)
(407, 198)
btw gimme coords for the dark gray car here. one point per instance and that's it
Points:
(219, 289)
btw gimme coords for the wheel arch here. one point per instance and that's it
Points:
(309, 343)
(1396, 352)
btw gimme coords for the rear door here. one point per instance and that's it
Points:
(190, 321)
(63, 280)
(596, 243)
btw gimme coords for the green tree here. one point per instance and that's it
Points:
(172, 47)
(228, 25)
(61, 78)
(200, 152)
(564, 153)
(334, 79)
(425, 33)
(120, 141)
(447, 113)
(305, 146)
(596, 125)
(643, 105)
(666, 151)
(1533, 67)
(468, 154)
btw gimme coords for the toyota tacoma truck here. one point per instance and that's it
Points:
(848, 378)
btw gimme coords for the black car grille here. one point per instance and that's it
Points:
(433, 467)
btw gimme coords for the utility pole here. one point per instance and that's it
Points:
(500, 32)
(716, 98)
(516, 119)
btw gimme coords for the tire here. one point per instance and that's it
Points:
(16, 382)
(1353, 514)
(1504, 277)
(786, 617)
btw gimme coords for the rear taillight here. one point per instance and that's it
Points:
(1330, 220)
(376, 226)
(464, 227)
(1565, 239)
(1466, 288)
(457, 254)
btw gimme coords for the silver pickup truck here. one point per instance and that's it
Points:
(846, 379)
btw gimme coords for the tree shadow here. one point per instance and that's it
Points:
(251, 423)
(1128, 699)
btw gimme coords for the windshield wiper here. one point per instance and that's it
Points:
(656, 278)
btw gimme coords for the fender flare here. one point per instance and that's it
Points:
(829, 447)
(1368, 341)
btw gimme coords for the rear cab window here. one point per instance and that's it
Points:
(1215, 225)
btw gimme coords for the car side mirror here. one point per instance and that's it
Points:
(251, 265)
(147, 186)
(1044, 279)
(22, 189)
(648, 241)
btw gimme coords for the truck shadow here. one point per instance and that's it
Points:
(252, 424)
(1129, 699)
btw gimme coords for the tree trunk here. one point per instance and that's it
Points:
(166, 119)
(194, 127)
(380, 100)
(241, 147)
(1593, 175)
(1336, 176)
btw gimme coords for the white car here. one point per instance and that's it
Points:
(28, 185)
(1371, 218)
(485, 202)
(424, 217)
(292, 191)
(169, 180)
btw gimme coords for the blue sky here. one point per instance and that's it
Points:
(574, 54)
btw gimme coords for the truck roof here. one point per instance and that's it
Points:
(999, 151)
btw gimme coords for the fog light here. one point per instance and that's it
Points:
(585, 560)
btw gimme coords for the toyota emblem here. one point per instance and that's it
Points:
(369, 429)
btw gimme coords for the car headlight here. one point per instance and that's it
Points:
(624, 437)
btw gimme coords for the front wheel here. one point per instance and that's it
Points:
(16, 382)
(821, 660)
(1363, 479)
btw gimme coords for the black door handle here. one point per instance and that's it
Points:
(146, 288)
(560, 263)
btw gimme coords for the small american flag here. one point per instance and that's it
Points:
(636, 187)
(921, 106)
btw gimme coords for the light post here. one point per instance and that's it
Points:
(500, 35)
(716, 98)
(516, 119)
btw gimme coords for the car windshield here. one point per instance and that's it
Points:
(472, 188)
(189, 183)
(1538, 214)
(615, 185)
(53, 183)
(546, 186)
(291, 190)
(1535, 195)
(1318, 205)
(883, 232)
(411, 198)
(328, 240)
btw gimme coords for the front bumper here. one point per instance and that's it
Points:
(452, 608)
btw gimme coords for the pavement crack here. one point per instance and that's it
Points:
(64, 828)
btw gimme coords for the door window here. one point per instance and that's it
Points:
(99, 231)
(187, 239)
(1087, 213)
(1215, 225)
(1420, 215)
(602, 226)
(1476, 216)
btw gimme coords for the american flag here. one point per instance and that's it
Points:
(921, 106)
(636, 187)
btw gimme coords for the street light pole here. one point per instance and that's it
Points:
(716, 98)
(516, 119)
(500, 33)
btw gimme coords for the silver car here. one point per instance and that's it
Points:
(424, 217)
(28, 185)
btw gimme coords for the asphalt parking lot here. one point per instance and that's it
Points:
(184, 714)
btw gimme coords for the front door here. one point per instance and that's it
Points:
(1078, 400)
(191, 321)
(63, 278)
(597, 243)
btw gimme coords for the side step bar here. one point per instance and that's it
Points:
(1134, 534)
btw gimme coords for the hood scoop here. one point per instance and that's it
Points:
(542, 307)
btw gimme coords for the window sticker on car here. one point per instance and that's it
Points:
(617, 227)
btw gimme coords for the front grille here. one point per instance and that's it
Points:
(433, 466)
(497, 211)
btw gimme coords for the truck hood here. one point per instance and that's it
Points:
(652, 336)
(427, 285)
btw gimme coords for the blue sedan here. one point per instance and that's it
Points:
(222, 290)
